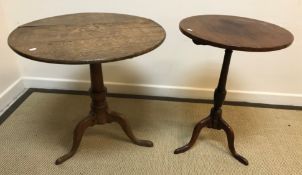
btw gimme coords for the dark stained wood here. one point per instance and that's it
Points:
(215, 120)
(231, 33)
(235, 33)
(99, 114)
(86, 38)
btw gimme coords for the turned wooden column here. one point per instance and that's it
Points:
(215, 120)
(99, 114)
(98, 91)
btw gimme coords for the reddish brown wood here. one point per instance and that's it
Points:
(235, 33)
(215, 120)
(230, 33)
(99, 114)
(77, 137)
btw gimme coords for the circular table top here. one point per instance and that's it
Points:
(235, 33)
(86, 38)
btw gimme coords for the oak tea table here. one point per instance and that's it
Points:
(230, 33)
(89, 38)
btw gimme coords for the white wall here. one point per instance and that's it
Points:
(178, 68)
(10, 82)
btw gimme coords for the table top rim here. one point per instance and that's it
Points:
(202, 41)
(94, 61)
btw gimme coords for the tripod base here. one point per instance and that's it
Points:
(91, 121)
(212, 122)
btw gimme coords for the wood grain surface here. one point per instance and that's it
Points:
(235, 33)
(86, 38)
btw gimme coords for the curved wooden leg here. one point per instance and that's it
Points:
(194, 137)
(230, 135)
(77, 137)
(115, 117)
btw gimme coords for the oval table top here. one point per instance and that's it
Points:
(235, 33)
(86, 38)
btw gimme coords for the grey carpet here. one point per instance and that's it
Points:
(40, 131)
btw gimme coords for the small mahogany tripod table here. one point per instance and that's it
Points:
(230, 33)
(89, 38)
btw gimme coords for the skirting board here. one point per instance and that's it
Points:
(11, 94)
(167, 91)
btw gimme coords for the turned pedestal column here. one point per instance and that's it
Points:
(215, 120)
(99, 114)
